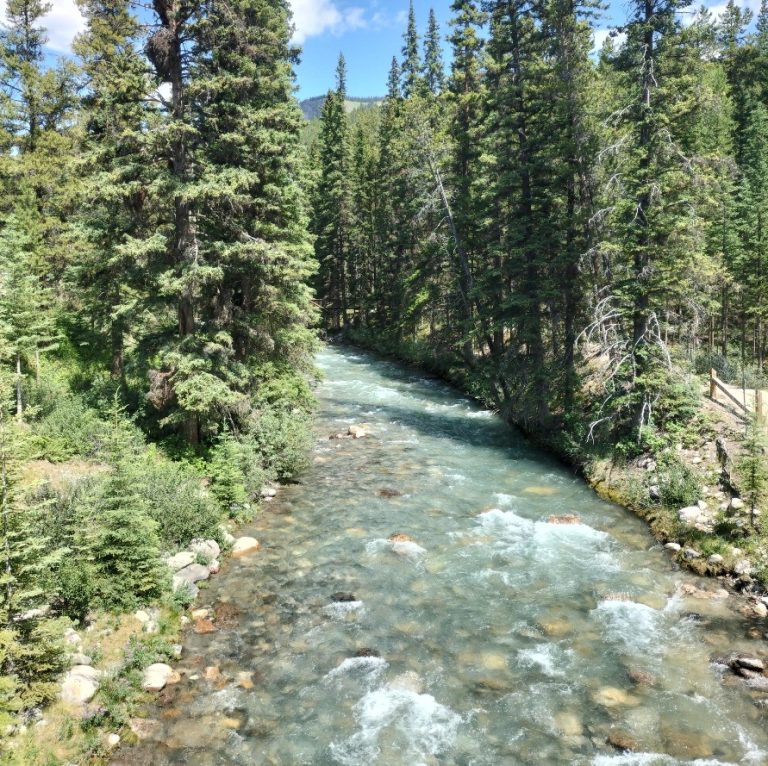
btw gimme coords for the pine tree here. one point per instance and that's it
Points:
(112, 273)
(465, 173)
(237, 250)
(117, 538)
(410, 68)
(31, 649)
(333, 208)
(434, 71)
(27, 320)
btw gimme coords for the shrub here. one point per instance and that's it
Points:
(679, 484)
(175, 499)
(69, 429)
(282, 439)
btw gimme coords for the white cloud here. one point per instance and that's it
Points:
(62, 22)
(599, 37)
(317, 17)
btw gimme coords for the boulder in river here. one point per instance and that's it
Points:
(343, 598)
(245, 545)
(400, 537)
(749, 663)
(359, 431)
(568, 518)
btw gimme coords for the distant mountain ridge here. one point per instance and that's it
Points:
(313, 106)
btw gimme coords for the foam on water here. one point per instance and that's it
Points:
(340, 609)
(359, 665)
(412, 725)
(635, 626)
(653, 759)
(550, 659)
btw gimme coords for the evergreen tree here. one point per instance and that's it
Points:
(410, 68)
(434, 71)
(31, 649)
(333, 208)
(112, 274)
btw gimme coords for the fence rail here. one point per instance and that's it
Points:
(753, 399)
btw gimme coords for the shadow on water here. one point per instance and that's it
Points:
(490, 433)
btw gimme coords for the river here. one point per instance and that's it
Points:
(492, 638)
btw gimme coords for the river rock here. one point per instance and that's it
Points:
(245, 545)
(610, 696)
(736, 504)
(180, 583)
(568, 518)
(203, 626)
(674, 547)
(742, 567)
(691, 554)
(358, 431)
(208, 548)
(715, 559)
(194, 573)
(750, 663)
(113, 740)
(180, 560)
(80, 659)
(400, 537)
(143, 728)
(156, 677)
(622, 741)
(267, 493)
(80, 685)
(214, 567)
(569, 724)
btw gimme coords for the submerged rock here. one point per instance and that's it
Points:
(409, 681)
(388, 493)
(343, 598)
(622, 741)
(400, 537)
(568, 518)
(610, 696)
(245, 545)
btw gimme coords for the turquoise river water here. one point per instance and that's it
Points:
(492, 638)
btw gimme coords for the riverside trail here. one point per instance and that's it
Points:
(485, 635)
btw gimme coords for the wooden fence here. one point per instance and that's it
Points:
(753, 399)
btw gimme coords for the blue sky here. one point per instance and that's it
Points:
(369, 32)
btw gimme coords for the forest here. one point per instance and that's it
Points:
(569, 236)
(568, 233)
(155, 306)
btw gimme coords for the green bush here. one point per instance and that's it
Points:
(282, 439)
(175, 499)
(679, 484)
(69, 429)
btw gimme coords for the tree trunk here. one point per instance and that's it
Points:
(19, 402)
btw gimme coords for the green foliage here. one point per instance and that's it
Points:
(226, 467)
(679, 484)
(118, 536)
(175, 500)
(282, 438)
(752, 468)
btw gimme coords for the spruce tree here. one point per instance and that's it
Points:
(333, 208)
(31, 649)
(434, 70)
(410, 68)
(113, 274)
